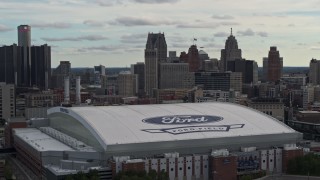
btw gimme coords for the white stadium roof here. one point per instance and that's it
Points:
(118, 125)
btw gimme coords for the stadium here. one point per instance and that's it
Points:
(187, 141)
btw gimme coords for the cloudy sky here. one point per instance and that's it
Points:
(114, 32)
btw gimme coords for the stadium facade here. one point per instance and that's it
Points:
(188, 141)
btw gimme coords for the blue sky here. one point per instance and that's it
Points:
(114, 32)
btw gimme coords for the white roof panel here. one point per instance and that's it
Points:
(40, 141)
(150, 123)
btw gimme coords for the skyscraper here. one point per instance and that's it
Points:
(24, 35)
(41, 66)
(99, 74)
(203, 56)
(23, 65)
(24, 40)
(175, 76)
(155, 53)
(248, 68)
(63, 70)
(230, 53)
(193, 59)
(100, 69)
(7, 98)
(127, 84)
(273, 65)
(219, 81)
(314, 72)
(9, 58)
(138, 69)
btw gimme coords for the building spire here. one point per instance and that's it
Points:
(231, 31)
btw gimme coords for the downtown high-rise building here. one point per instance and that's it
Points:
(139, 69)
(58, 74)
(194, 59)
(314, 72)
(7, 100)
(99, 75)
(155, 53)
(24, 35)
(173, 57)
(10, 63)
(25, 65)
(24, 41)
(175, 76)
(272, 65)
(248, 68)
(203, 56)
(224, 81)
(231, 52)
(210, 65)
(33, 62)
(127, 84)
(41, 66)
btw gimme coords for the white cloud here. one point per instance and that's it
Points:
(224, 17)
(4, 28)
(262, 34)
(247, 32)
(317, 48)
(94, 23)
(134, 21)
(221, 34)
(56, 25)
(80, 38)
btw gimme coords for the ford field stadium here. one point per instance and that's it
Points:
(187, 141)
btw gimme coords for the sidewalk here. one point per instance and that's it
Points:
(288, 177)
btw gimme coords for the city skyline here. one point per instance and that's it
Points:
(114, 33)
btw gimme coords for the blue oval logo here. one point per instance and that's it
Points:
(182, 119)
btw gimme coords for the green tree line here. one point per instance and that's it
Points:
(305, 165)
(142, 175)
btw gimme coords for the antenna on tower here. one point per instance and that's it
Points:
(231, 31)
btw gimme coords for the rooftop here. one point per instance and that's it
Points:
(41, 141)
(115, 125)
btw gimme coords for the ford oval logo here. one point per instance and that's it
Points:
(182, 119)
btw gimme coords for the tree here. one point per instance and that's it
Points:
(153, 174)
(91, 175)
(7, 171)
(246, 177)
(163, 175)
(305, 165)
(142, 175)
